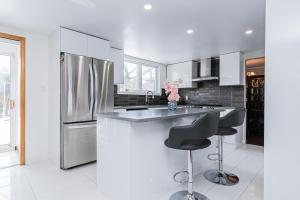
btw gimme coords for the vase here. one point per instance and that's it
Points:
(172, 105)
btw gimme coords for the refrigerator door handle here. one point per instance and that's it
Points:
(92, 89)
(82, 126)
(96, 88)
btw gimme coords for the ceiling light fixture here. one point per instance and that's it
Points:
(190, 31)
(248, 32)
(148, 7)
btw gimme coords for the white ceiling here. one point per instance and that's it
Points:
(159, 34)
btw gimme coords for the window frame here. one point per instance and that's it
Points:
(140, 63)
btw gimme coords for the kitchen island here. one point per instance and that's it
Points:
(133, 162)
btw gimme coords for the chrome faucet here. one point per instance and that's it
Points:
(147, 96)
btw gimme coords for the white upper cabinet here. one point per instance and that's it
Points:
(117, 57)
(85, 45)
(231, 72)
(182, 71)
(98, 48)
(73, 42)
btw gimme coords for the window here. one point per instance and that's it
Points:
(140, 77)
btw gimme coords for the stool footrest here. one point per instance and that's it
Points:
(221, 177)
(211, 156)
(184, 195)
(180, 173)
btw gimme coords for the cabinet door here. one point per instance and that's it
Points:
(98, 48)
(73, 42)
(181, 71)
(117, 57)
(231, 69)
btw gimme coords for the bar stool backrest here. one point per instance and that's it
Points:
(233, 119)
(204, 127)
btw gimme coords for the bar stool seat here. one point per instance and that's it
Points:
(226, 131)
(191, 144)
(192, 137)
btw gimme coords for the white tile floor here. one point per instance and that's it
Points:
(9, 158)
(43, 181)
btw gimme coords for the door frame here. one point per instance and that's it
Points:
(245, 91)
(22, 77)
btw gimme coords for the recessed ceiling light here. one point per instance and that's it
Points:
(248, 32)
(190, 31)
(148, 7)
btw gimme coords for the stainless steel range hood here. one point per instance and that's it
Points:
(206, 72)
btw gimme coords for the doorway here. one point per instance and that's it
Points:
(9, 102)
(12, 100)
(255, 73)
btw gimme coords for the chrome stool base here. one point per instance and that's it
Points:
(221, 178)
(184, 195)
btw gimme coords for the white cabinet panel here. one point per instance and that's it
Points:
(231, 72)
(73, 42)
(98, 48)
(182, 71)
(117, 57)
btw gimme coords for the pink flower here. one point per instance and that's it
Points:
(172, 91)
(173, 97)
(168, 87)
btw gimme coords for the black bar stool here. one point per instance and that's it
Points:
(232, 119)
(192, 137)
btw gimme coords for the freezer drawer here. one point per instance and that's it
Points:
(78, 144)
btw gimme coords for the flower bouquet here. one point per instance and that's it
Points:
(171, 89)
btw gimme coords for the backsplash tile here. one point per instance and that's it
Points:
(208, 92)
(137, 100)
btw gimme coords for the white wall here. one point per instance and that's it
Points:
(36, 94)
(282, 133)
(54, 98)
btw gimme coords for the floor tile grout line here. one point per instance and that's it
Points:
(9, 166)
(88, 177)
(79, 173)
(30, 185)
(256, 175)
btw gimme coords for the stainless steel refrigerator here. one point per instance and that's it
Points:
(86, 89)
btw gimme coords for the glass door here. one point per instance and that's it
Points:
(6, 104)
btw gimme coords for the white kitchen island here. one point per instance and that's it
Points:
(133, 162)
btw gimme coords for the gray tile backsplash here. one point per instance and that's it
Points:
(136, 100)
(208, 92)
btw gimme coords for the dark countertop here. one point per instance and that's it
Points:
(156, 114)
(163, 106)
